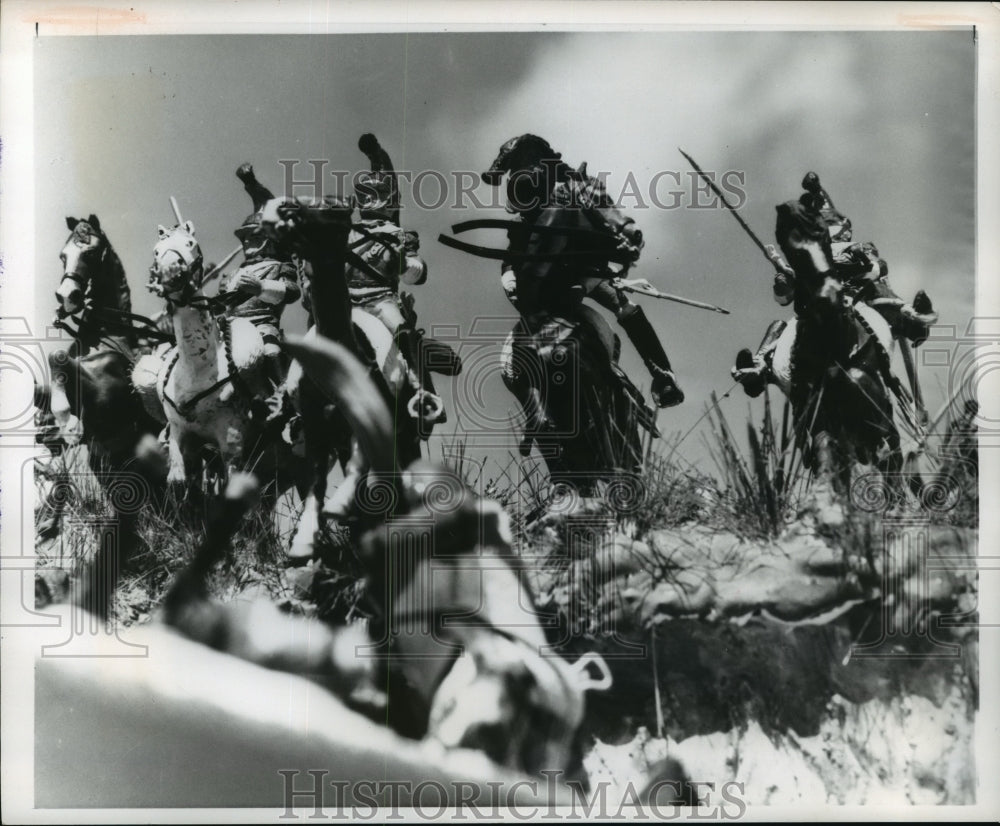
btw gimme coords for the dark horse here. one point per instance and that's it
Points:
(841, 382)
(317, 233)
(91, 380)
(93, 282)
(94, 293)
(583, 411)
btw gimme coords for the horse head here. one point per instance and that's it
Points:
(177, 263)
(804, 239)
(82, 255)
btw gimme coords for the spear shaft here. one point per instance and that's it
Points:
(654, 293)
(729, 206)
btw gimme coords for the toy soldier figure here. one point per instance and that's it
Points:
(863, 274)
(383, 254)
(267, 278)
(547, 193)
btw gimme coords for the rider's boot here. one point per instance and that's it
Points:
(535, 420)
(751, 369)
(437, 356)
(916, 318)
(408, 341)
(665, 390)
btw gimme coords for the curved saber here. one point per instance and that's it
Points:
(729, 206)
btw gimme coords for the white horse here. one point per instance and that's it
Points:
(207, 380)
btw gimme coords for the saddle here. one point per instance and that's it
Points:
(243, 353)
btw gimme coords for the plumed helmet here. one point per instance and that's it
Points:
(818, 200)
(377, 192)
(522, 152)
(810, 183)
(256, 243)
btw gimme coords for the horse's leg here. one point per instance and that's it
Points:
(185, 463)
(102, 574)
(303, 544)
(343, 502)
(64, 401)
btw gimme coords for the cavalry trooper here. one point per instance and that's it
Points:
(268, 280)
(863, 274)
(383, 254)
(545, 192)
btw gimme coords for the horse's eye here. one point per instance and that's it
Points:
(62, 257)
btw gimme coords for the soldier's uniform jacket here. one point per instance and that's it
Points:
(559, 286)
(279, 284)
(391, 252)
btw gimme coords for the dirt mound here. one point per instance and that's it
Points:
(810, 668)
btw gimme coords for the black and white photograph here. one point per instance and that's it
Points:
(531, 412)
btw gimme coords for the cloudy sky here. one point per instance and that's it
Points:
(887, 119)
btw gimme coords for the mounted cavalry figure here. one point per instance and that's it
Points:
(352, 295)
(91, 396)
(561, 361)
(383, 255)
(864, 278)
(212, 383)
(833, 360)
(93, 295)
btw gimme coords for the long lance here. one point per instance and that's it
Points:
(218, 268)
(729, 206)
(652, 292)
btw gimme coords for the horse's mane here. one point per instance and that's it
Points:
(111, 272)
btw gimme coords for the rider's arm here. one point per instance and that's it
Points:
(784, 277)
(508, 280)
(414, 270)
(283, 288)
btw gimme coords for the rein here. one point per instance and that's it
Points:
(185, 409)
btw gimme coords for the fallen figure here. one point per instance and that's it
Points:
(456, 658)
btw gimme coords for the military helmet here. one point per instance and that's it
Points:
(522, 152)
(256, 243)
(818, 200)
(375, 192)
